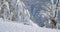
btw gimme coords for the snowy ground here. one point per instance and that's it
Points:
(18, 27)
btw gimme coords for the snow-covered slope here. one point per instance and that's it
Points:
(18, 27)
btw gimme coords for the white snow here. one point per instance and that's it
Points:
(14, 12)
(18, 27)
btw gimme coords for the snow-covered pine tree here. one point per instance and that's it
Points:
(50, 12)
(15, 10)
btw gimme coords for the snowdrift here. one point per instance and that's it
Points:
(18, 27)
